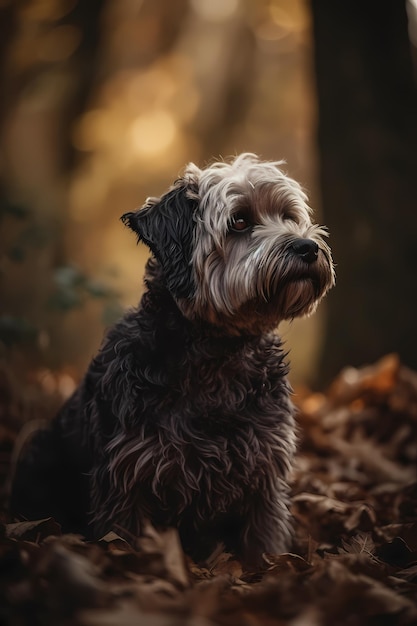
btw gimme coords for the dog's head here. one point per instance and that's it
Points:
(237, 245)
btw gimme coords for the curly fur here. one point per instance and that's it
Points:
(184, 417)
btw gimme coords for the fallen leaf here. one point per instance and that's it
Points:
(362, 543)
(33, 530)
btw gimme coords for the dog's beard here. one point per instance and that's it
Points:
(255, 284)
(297, 297)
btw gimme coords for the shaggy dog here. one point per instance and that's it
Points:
(184, 417)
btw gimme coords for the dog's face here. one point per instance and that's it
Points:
(237, 245)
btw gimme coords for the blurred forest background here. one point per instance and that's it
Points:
(104, 101)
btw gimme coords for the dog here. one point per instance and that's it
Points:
(184, 418)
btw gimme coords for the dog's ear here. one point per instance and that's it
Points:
(166, 226)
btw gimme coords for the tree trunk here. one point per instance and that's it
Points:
(368, 146)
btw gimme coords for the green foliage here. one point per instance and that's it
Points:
(73, 288)
(18, 211)
(16, 330)
(31, 235)
(34, 235)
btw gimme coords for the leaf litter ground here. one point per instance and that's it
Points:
(354, 558)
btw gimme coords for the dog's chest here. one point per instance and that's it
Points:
(205, 377)
(220, 428)
(207, 426)
(209, 468)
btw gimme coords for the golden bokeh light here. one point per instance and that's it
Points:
(153, 132)
(290, 15)
(215, 10)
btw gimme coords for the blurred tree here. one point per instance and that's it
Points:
(368, 149)
(47, 68)
(52, 57)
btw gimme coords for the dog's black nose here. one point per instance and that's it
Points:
(307, 249)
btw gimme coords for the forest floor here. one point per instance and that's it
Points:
(354, 558)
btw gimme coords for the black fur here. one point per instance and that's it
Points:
(167, 226)
(175, 421)
(214, 410)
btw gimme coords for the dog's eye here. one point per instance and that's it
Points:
(289, 215)
(240, 223)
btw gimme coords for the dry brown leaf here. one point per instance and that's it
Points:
(126, 614)
(167, 544)
(33, 530)
(311, 616)
(357, 594)
(71, 579)
(227, 566)
(352, 562)
(362, 543)
(379, 378)
(150, 589)
(371, 456)
(112, 539)
(289, 563)
(409, 573)
(320, 505)
(362, 518)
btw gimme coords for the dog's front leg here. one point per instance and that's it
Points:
(267, 526)
(111, 508)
